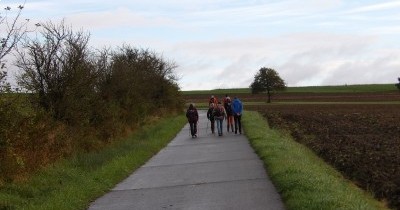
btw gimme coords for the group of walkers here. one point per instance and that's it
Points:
(217, 112)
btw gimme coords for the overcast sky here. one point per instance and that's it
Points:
(223, 43)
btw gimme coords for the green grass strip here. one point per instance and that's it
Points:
(304, 180)
(74, 183)
(362, 88)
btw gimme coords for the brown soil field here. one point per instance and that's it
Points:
(360, 140)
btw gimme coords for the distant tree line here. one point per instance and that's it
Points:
(78, 99)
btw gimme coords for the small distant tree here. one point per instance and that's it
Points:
(398, 84)
(267, 80)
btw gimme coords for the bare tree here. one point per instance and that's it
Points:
(58, 68)
(13, 29)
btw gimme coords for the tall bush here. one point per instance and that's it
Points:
(79, 99)
(58, 69)
(140, 82)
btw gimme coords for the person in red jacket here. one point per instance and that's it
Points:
(193, 117)
(213, 100)
(229, 112)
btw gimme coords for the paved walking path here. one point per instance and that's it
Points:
(209, 172)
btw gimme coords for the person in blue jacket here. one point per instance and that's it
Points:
(237, 108)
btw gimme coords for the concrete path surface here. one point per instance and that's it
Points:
(208, 172)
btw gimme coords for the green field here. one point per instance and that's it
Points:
(343, 88)
(305, 89)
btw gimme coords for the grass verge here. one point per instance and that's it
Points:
(304, 180)
(74, 183)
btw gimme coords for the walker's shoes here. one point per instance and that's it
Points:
(195, 135)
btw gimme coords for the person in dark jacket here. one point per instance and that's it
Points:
(230, 118)
(237, 108)
(193, 117)
(210, 116)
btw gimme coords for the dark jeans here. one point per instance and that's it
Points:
(212, 125)
(238, 123)
(193, 128)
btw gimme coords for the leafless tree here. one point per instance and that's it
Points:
(57, 67)
(12, 30)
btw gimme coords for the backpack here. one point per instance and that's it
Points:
(191, 114)
(228, 109)
(218, 112)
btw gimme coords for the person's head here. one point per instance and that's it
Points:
(226, 95)
(191, 106)
(219, 103)
(212, 96)
(212, 105)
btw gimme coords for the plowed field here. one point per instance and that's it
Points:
(361, 141)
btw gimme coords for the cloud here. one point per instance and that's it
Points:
(379, 70)
(117, 18)
(223, 43)
(300, 59)
(385, 30)
(376, 7)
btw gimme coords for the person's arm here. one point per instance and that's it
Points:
(225, 115)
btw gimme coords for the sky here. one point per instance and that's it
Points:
(224, 43)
